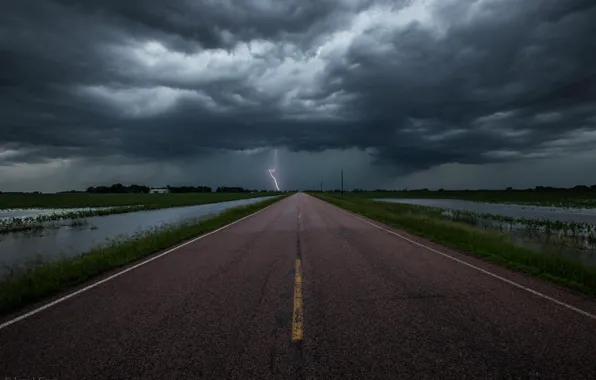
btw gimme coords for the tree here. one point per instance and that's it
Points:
(225, 189)
(189, 189)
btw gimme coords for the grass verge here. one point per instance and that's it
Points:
(492, 246)
(47, 279)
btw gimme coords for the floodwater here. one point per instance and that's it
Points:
(510, 210)
(18, 249)
(24, 213)
(577, 245)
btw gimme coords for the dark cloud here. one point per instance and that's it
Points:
(210, 24)
(416, 85)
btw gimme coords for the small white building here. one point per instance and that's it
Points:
(159, 191)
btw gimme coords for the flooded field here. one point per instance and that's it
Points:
(71, 238)
(31, 213)
(510, 210)
(567, 232)
(35, 219)
(20, 212)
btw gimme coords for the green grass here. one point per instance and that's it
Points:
(45, 279)
(567, 198)
(48, 201)
(489, 245)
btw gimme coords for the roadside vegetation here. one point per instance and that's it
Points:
(579, 197)
(562, 252)
(44, 279)
(102, 204)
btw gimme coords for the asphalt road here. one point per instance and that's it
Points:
(375, 306)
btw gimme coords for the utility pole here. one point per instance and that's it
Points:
(321, 186)
(342, 182)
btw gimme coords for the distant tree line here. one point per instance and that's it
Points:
(578, 188)
(118, 188)
(537, 189)
(574, 188)
(189, 189)
(237, 189)
(20, 192)
(226, 189)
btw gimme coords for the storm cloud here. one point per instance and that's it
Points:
(403, 87)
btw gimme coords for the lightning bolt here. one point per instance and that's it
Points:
(271, 171)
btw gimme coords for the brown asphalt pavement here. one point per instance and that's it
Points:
(375, 307)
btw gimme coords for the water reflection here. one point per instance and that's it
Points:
(20, 248)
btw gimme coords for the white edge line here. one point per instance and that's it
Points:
(510, 282)
(88, 287)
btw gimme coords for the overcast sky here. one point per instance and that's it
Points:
(435, 93)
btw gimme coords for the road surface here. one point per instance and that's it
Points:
(374, 306)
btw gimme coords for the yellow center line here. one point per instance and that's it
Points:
(297, 319)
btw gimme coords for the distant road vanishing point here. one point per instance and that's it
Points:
(305, 290)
